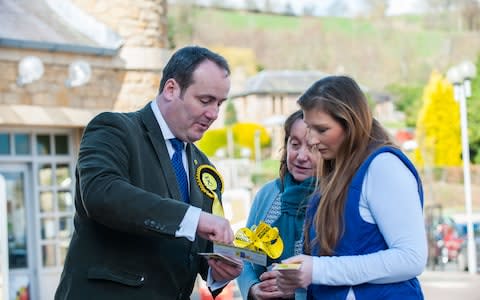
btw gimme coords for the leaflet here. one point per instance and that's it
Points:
(221, 257)
(282, 267)
(252, 256)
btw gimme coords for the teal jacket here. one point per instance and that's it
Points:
(261, 205)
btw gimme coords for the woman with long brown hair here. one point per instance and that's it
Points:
(364, 236)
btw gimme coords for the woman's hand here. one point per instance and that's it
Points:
(267, 288)
(289, 280)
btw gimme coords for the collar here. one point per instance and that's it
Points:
(167, 133)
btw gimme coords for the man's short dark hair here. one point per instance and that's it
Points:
(185, 61)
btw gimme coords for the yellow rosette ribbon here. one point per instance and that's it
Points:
(262, 238)
(210, 181)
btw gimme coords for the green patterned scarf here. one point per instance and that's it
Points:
(294, 200)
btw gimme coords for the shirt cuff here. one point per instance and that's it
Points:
(188, 226)
(215, 285)
(316, 270)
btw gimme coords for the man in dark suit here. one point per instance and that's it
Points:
(137, 231)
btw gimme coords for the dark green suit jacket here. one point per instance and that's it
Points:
(127, 213)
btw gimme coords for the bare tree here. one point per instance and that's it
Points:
(181, 22)
(337, 8)
(439, 5)
(251, 5)
(470, 12)
(288, 11)
(309, 9)
(440, 14)
(267, 6)
(377, 8)
(217, 4)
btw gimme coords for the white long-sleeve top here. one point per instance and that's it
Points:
(391, 200)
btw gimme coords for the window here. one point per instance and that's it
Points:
(61, 144)
(22, 144)
(49, 155)
(55, 211)
(43, 144)
(4, 143)
(16, 220)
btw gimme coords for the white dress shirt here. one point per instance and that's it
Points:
(188, 226)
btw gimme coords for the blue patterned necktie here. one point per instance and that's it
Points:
(177, 164)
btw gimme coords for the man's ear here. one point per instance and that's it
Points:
(171, 90)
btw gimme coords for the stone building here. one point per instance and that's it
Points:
(95, 56)
(270, 96)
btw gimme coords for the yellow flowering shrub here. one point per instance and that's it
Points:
(243, 137)
(239, 58)
(438, 125)
(213, 140)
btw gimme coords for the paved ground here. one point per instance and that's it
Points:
(448, 285)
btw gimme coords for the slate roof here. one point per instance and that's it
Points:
(54, 25)
(270, 82)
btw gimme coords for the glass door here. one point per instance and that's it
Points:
(21, 265)
(3, 241)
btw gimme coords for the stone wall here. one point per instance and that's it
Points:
(100, 93)
(124, 82)
(143, 26)
(111, 87)
(142, 23)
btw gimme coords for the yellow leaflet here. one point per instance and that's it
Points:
(260, 238)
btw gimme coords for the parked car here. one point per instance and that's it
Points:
(447, 242)
(462, 259)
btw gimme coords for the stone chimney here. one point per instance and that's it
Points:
(142, 24)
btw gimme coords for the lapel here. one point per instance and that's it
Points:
(158, 143)
(196, 195)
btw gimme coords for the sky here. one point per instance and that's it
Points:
(329, 7)
(397, 7)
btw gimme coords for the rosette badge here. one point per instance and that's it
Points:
(210, 183)
(262, 237)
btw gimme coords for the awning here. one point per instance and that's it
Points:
(29, 115)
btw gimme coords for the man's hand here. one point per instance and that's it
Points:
(214, 228)
(222, 271)
(289, 280)
(267, 288)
